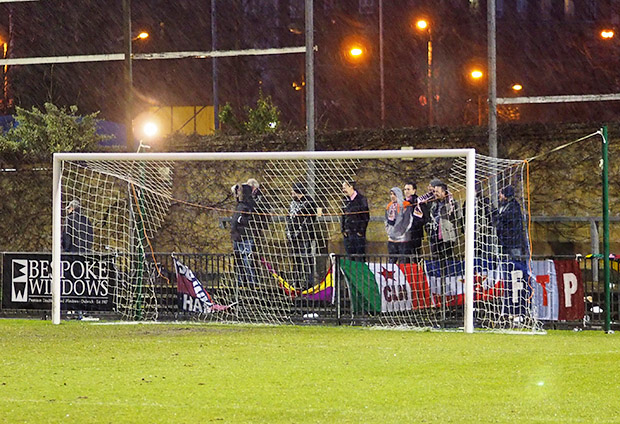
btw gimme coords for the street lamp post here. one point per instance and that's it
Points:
(5, 77)
(128, 89)
(477, 75)
(424, 25)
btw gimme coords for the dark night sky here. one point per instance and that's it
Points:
(548, 51)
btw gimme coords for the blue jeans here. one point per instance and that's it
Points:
(243, 250)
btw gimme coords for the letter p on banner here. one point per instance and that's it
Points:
(570, 288)
(570, 284)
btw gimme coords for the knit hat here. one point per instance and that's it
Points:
(508, 191)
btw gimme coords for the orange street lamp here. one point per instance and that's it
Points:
(142, 36)
(517, 87)
(356, 52)
(476, 74)
(421, 24)
(607, 34)
(424, 25)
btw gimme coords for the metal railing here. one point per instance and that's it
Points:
(346, 305)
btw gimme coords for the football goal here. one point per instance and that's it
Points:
(273, 235)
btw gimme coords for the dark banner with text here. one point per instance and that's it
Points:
(86, 281)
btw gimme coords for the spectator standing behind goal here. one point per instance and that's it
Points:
(300, 233)
(355, 217)
(261, 217)
(77, 233)
(508, 222)
(241, 235)
(445, 219)
(397, 224)
(417, 221)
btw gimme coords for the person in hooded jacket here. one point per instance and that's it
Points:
(398, 220)
(241, 235)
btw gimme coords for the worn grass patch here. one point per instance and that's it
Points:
(84, 372)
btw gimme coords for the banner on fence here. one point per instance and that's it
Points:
(552, 289)
(86, 281)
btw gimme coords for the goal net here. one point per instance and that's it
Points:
(286, 237)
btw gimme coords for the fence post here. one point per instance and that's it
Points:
(606, 231)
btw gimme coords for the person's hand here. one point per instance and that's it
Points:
(345, 234)
(360, 234)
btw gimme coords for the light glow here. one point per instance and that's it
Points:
(607, 34)
(150, 129)
(476, 74)
(356, 51)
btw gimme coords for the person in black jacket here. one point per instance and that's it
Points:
(418, 220)
(355, 217)
(508, 221)
(77, 233)
(300, 233)
(241, 235)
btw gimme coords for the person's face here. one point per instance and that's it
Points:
(296, 196)
(393, 196)
(347, 189)
(409, 190)
(440, 193)
(501, 196)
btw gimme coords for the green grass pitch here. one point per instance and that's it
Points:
(82, 372)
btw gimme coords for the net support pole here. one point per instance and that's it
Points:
(470, 196)
(605, 146)
(56, 246)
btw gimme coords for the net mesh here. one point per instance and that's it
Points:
(288, 260)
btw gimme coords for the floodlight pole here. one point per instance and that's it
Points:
(128, 86)
(309, 22)
(310, 146)
(216, 105)
(606, 230)
(492, 75)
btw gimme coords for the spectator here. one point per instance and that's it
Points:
(397, 224)
(417, 221)
(256, 191)
(235, 191)
(300, 233)
(77, 233)
(241, 235)
(261, 217)
(445, 218)
(355, 217)
(508, 221)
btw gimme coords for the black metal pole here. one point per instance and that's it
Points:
(128, 86)
(216, 105)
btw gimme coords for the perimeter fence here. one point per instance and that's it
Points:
(578, 305)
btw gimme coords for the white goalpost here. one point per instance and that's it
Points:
(133, 206)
